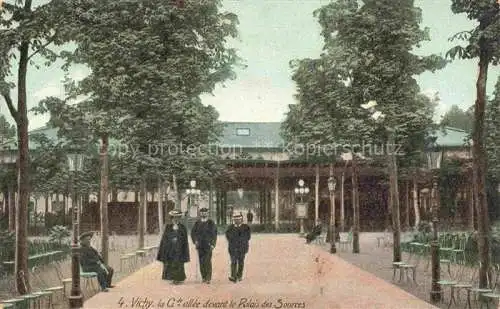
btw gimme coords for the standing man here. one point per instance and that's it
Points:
(173, 251)
(249, 217)
(204, 237)
(91, 261)
(238, 236)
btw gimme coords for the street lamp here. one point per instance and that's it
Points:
(192, 193)
(75, 164)
(434, 158)
(301, 209)
(332, 183)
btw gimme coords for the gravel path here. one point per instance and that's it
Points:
(378, 261)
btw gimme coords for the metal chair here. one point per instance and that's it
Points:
(45, 290)
(345, 241)
(492, 277)
(466, 285)
(459, 250)
(490, 297)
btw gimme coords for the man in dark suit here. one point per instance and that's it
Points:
(204, 237)
(249, 217)
(316, 231)
(238, 236)
(91, 261)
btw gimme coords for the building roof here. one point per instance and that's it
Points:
(452, 137)
(260, 135)
(266, 135)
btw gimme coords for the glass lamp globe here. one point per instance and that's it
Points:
(306, 190)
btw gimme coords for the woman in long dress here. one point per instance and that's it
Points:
(173, 251)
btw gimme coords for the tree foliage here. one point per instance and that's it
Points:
(149, 63)
(458, 118)
(367, 57)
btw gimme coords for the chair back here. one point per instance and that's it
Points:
(36, 274)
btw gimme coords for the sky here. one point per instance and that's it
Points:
(273, 32)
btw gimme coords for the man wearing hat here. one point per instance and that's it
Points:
(91, 261)
(238, 236)
(173, 251)
(204, 237)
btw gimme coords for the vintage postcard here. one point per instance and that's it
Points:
(313, 154)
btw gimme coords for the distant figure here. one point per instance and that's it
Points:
(238, 236)
(204, 237)
(249, 217)
(173, 251)
(316, 231)
(91, 261)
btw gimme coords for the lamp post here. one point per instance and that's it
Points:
(75, 164)
(301, 209)
(332, 183)
(192, 193)
(434, 159)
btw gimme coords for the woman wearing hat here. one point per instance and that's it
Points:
(173, 251)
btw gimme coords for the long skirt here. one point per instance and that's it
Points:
(173, 270)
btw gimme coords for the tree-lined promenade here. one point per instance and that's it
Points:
(150, 62)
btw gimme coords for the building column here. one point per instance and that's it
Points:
(415, 203)
(316, 197)
(277, 198)
(342, 202)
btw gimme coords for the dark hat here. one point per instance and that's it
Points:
(237, 216)
(175, 213)
(86, 234)
(203, 209)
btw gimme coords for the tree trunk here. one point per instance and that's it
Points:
(160, 206)
(471, 207)
(355, 203)
(103, 156)
(114, 195)
(407, 205)
(416, 208)
(46, 210)
(12, 210)
(142, 208)
(479, 163)
(65, 206)
(394, 191)
(177, 194)
(342, 202)
(23, 176)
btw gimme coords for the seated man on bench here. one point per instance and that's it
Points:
(91, 261)
(316, 231)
